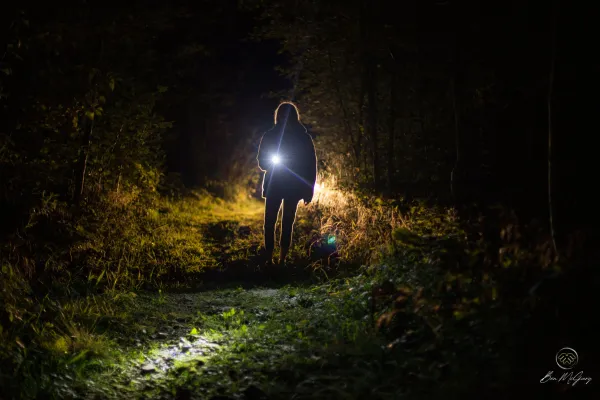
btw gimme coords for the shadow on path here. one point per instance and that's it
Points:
(252, 273)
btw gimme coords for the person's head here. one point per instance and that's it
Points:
(286, 112)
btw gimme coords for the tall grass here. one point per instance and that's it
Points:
(363, 224)
(121, 241)
(458, 289)
(430, 272)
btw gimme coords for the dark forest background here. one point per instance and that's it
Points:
(445, 100)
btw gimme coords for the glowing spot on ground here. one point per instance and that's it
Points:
(164, 359)
(331, 240)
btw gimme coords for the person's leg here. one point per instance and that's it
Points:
(287, 226)
(271, 210)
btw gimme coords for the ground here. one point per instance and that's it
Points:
(256, 343)
(234, 330)
(200, 318)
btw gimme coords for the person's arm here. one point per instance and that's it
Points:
(264, 151)
(312, 168)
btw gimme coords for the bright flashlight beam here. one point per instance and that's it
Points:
(276, 159)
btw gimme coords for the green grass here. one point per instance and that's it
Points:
(314, 341)
(279, 340)
(425, 310)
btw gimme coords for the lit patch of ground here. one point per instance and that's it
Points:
(227, 342)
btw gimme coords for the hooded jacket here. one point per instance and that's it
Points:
(295, 175)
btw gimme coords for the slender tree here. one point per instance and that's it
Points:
(83, 159)
(549, 100)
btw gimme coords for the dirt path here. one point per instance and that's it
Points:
(230, 343)
(236, 331)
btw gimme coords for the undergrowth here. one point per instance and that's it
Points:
(422, 295)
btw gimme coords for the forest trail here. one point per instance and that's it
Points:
(232, 343)
(242, 333)
(207, 322)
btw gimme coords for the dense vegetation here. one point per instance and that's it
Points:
(444, 255)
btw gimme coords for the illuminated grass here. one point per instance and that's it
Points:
(316, 341)
(312, 342)
(227, 341)
(201, 208)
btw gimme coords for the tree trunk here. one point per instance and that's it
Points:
(361, 119)
(550, 91)
(119, 182)
(456, 141)
(82, 162)
(347, 125)
(372, 119)
(392, 132)
(454, 57)
(364, 77)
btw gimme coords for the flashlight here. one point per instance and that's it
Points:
(276, 159)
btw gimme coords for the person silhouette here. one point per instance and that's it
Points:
(287, 156)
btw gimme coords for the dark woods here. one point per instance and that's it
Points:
(456, 101)
(465, 103)
(94, 99)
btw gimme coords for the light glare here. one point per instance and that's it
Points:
(276, 159)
